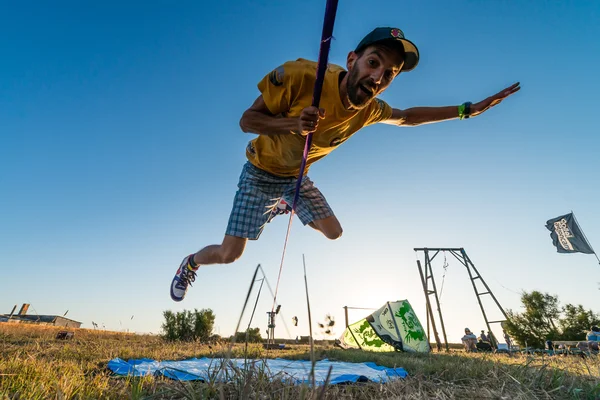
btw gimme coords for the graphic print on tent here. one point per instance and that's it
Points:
(411, 324)
(370, 338)
(393, 327)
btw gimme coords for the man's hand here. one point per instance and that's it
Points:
(309, 120)
(494, 100)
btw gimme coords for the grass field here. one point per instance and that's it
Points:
(34, 365)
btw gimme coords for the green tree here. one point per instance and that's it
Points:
(169, 327)
(253, 336)
(544, 319)
(577, 321)
(188, 326)
(537, 323)
(204, 321)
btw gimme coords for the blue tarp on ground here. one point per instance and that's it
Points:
(205, 369)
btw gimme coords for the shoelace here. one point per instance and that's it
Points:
(187, 277)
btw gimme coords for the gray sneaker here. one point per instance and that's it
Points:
(183, 278)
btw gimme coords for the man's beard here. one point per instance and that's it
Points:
(357, 98)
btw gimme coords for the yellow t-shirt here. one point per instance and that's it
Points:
(287, 90)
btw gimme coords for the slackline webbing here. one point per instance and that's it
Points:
(326, 36)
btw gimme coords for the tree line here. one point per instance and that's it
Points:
(198, 326)
(544, 318)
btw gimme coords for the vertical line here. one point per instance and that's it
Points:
(326, 35)
(312, 349)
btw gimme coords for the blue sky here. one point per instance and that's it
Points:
(120, 151)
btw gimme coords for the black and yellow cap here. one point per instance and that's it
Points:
(387, 33)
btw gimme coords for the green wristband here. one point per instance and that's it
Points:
(461, 111)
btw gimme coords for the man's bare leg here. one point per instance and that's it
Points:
(330, 227)
(225, 253)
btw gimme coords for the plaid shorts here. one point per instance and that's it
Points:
(259, 192)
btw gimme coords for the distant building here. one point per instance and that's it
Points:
(53, 320)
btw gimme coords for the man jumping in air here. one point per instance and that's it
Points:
(282, 117)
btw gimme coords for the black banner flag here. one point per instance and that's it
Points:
(567, 236)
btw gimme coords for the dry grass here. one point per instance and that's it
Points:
(34, 365)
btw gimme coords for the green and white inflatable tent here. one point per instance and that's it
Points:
(393, 327)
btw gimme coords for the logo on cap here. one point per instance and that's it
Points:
(396, 33)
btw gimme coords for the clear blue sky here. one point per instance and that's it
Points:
(120, 152)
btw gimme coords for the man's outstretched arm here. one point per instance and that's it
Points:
(427, 115)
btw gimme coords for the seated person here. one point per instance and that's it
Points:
(483, 337)
(469, 340)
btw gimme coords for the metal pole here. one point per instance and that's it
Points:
(346, 314)
(312, 348)
(429, 311)
(348, 327)
(477, 295)
(486, 286)
(428, 265)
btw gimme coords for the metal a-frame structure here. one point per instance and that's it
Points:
(430, 289)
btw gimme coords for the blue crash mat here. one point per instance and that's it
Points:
(286, 370)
